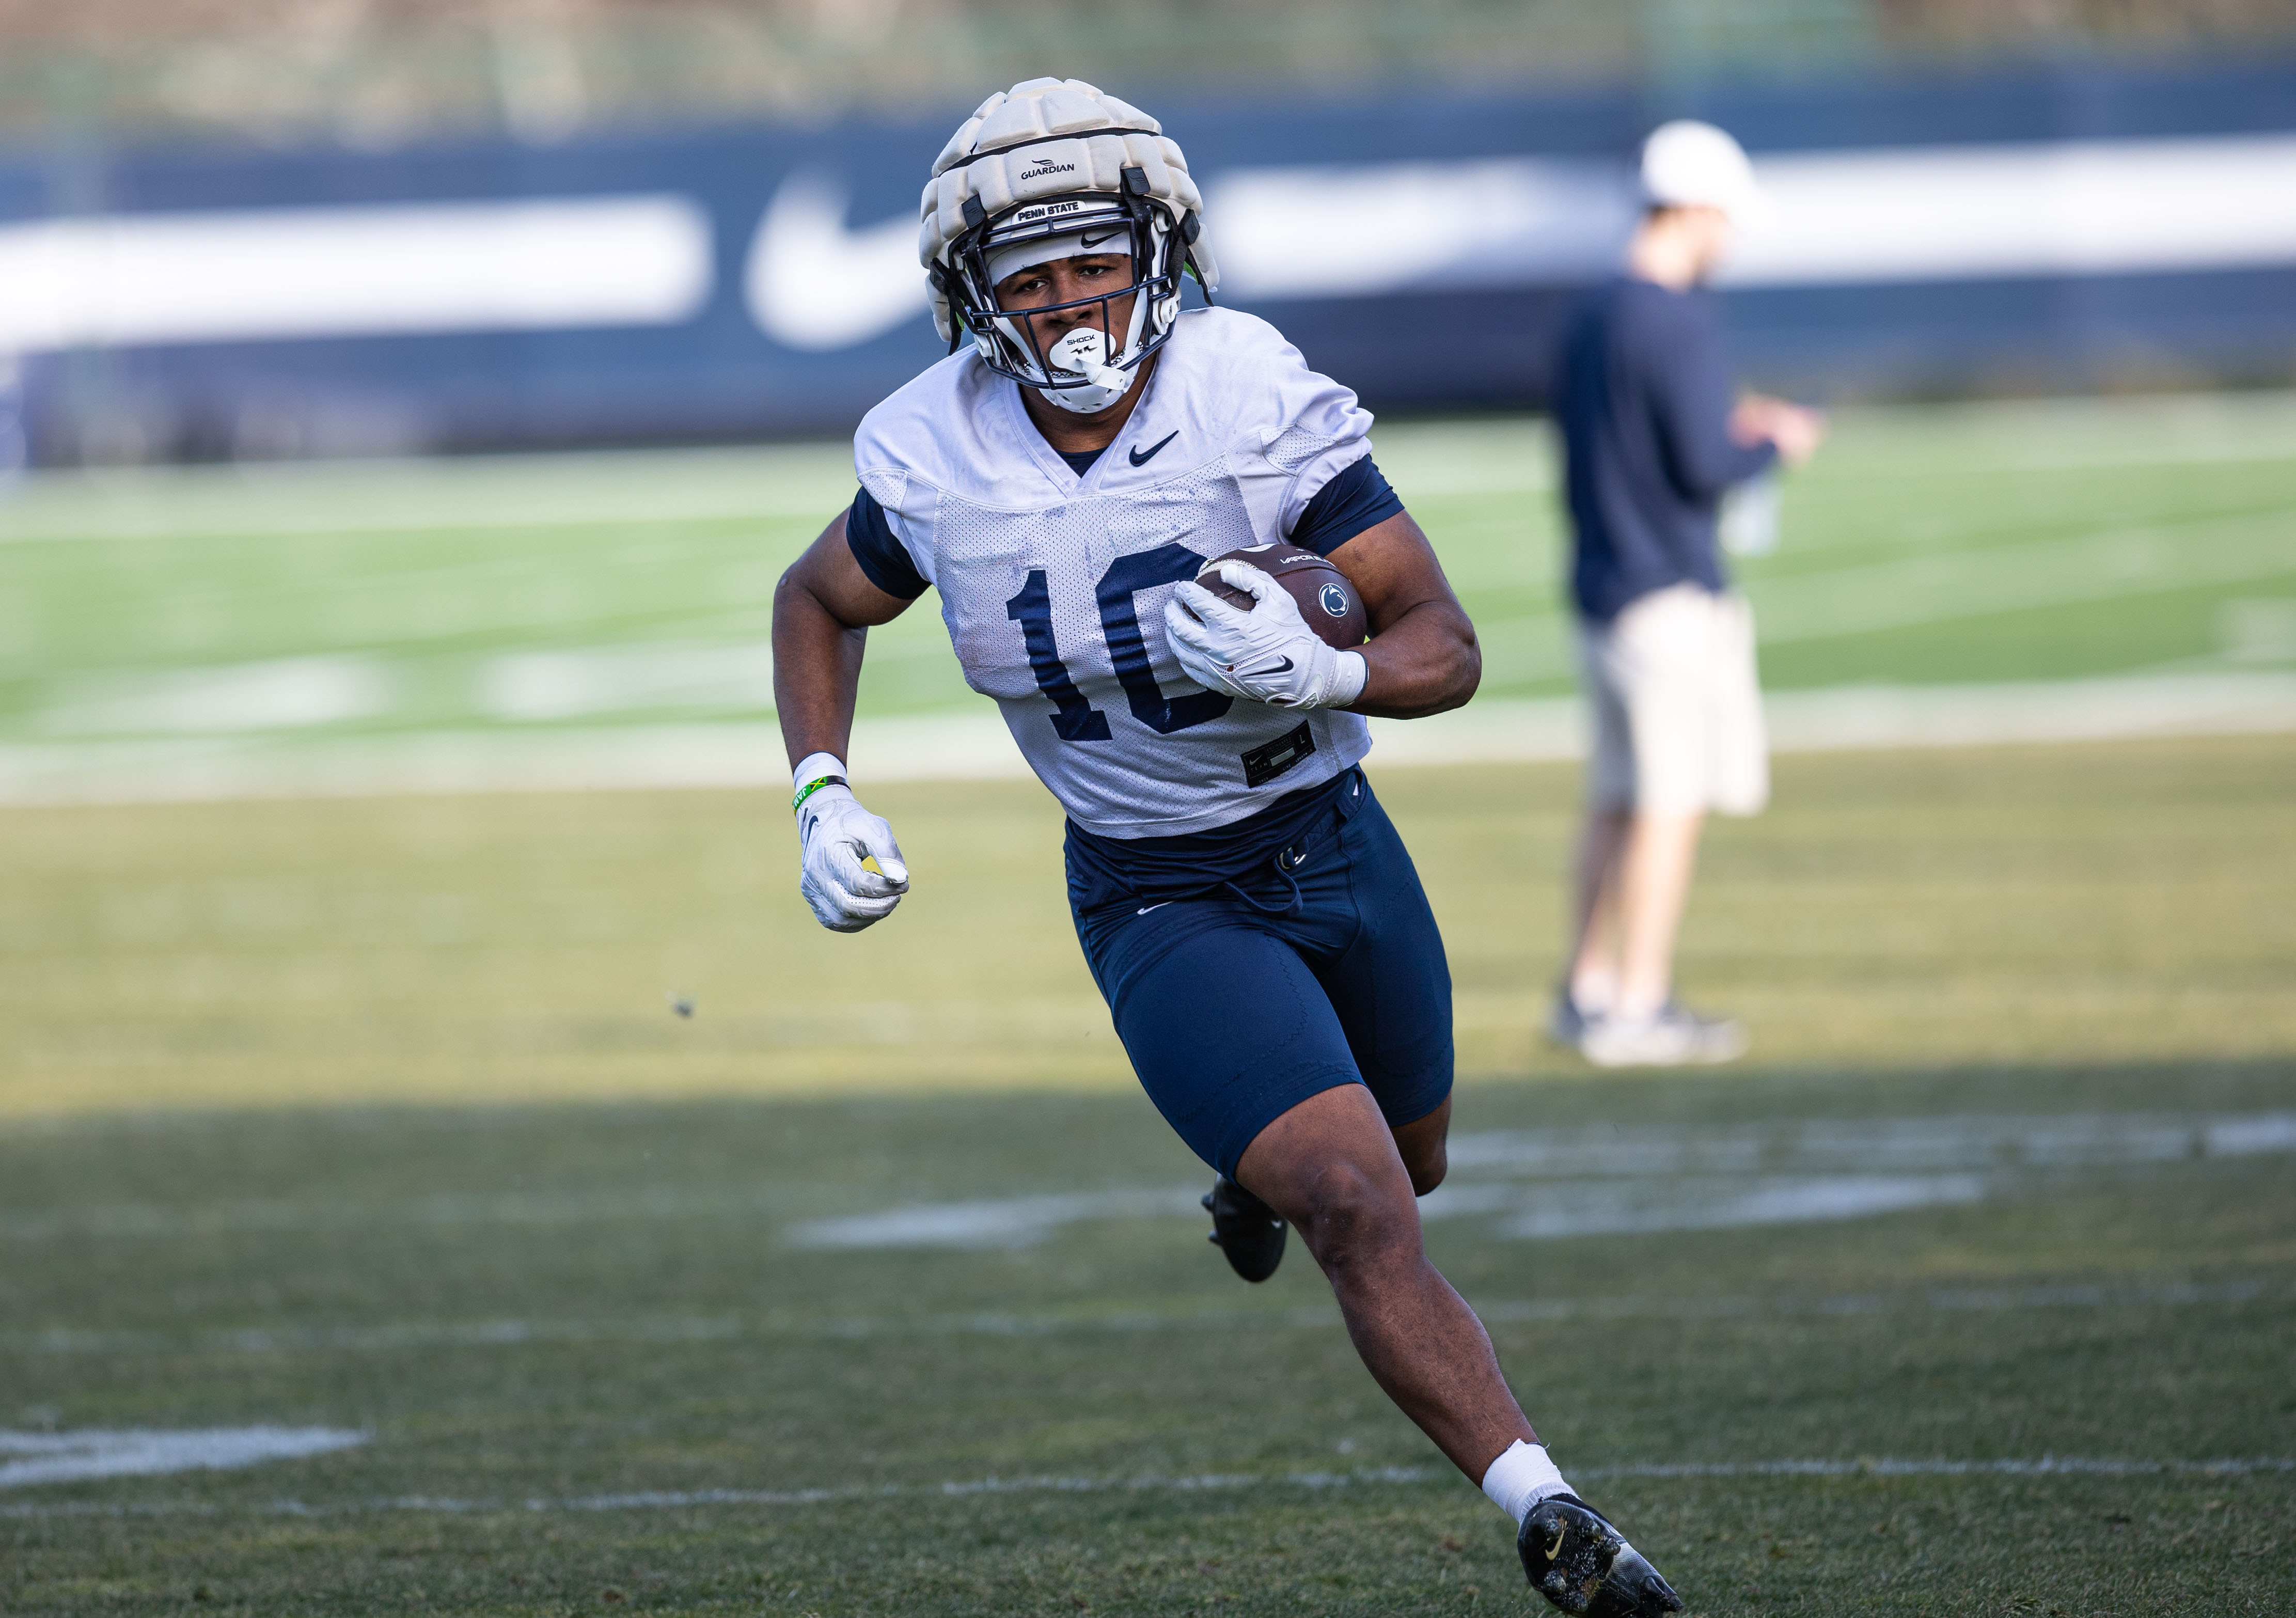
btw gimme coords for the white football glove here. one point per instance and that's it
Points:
(834, 833)
(1267, 655)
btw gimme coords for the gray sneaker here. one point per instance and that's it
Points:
(1566, 1020)
(1674, 1036)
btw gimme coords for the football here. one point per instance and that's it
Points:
(1327, 598)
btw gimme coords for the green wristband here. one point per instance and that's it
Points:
(811, 787)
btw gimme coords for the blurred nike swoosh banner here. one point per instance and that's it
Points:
(130, 279)
(813, 284)
(762, 279)
(1893, 214)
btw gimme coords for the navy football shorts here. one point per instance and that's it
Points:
(1238, 1003)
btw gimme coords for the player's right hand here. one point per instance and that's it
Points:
(834, 834)
(1267, 655)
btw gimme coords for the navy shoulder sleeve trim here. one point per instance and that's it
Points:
(881, 556)
(1358, 497)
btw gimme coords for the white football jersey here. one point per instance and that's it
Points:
(1054, 585)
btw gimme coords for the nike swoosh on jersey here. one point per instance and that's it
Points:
(814, 284)
(1142, 457)
(1158, 906)
(1283, 667)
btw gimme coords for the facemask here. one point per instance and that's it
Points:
(1087, 358)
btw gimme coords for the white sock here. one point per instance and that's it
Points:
(1520, 1478)
(1592, 992)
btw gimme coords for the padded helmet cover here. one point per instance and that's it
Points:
(1043, 138)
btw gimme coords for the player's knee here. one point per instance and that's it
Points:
(1357, 1214)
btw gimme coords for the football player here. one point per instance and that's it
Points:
(1245, 906)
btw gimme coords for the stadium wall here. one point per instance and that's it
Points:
(2063, 225)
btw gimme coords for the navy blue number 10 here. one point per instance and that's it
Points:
(1078, 720)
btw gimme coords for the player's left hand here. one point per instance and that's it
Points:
(1267, 655)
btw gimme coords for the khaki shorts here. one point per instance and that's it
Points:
(1678, 713)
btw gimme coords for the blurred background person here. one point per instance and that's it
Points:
(1652, 442)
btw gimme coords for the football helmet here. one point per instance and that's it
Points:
(1049, 169)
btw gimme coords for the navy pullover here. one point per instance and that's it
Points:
(1643, 402)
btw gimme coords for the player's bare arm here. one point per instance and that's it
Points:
(851, 872)
(1422, 657)
(823, 608)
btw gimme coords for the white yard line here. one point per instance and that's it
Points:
(452, 761)
(1543, 1182)
(1946, 585)
(2069, 1466)
(1875, 1466)
(673, 1330)
(58, 1458)
(607, 489)
(1854, 717)
(1943, 585)
(974, 743)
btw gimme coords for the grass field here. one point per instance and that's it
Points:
(875, 1287)
(2066, 903)
(2014, 1178)
(181, 610)
(599, 1375)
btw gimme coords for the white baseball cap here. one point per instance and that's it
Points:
(1688, 164)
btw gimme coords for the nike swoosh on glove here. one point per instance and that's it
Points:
(834, 833)
(1267, 655)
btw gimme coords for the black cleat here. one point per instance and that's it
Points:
(1577, 1560)
(1245, 1228)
